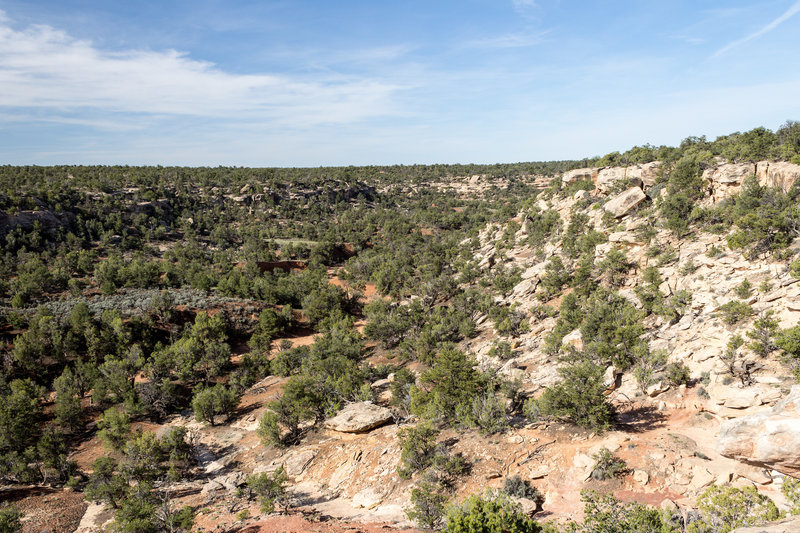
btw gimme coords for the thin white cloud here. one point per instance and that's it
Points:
(510, 40)
(44, 68)
(519, 5)
(688, 39)
(793, 10)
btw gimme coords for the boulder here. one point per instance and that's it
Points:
(612, 378)
(359, 417)
(297, 463)
(701, 478)
(581, 195)
(574, 339)
(650, 173)
(622, 237)
(659, 387)
(579, 174)
(751, 473)
(623, 203)
(641, 477)
(729, 173)
(770, 439)
(607, 177)
(528, 507)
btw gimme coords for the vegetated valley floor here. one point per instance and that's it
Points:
(454, 298)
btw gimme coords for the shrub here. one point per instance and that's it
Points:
(20, 415)
(269, 430)
(143, 458)
(487, 412)
(302, 400)
(509, 320)
(270, 489)
(288, 361)
(579, 396)
(684, 188)
(449, 467)
(492, 512)
(521, 488)
(177, 452)
(791, 490)
(689, 267)
(427, 506)
(648, 293)
(270, 325)
(612, 330)
(647, 366)
(605, 514)
(501, 350)
(114, 427)
(10, 519)
(607, 466)
(214, 401)
(764, 329)
(418, 449)
(723, 509)
(675, 306)
(400, 388)
(178, 521)
(67, 410)
(554, 279)
(794, 269)
(744, 290)
(450, 382)
(677, 373)
(734, 312)
(737, 364)
(104, 485)
(540, 312)
(615, 266)
(541, 225)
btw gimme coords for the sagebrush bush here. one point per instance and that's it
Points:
(521, 488)
(607, 465)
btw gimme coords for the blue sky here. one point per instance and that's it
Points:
(309, 83)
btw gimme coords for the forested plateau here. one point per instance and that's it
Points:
(603, 345)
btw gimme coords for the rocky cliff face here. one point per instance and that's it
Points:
(747, 432)
(726, 179)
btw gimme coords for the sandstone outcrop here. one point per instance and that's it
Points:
(649, 173)
(607, 177)
(771, 439)
(623, 203)
(777, 174)
(359, 417)
(579, 174)
(726, 179)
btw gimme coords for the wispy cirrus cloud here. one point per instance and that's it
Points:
(789, 13)
(523, 4)
(44, 69)
(509, 40)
